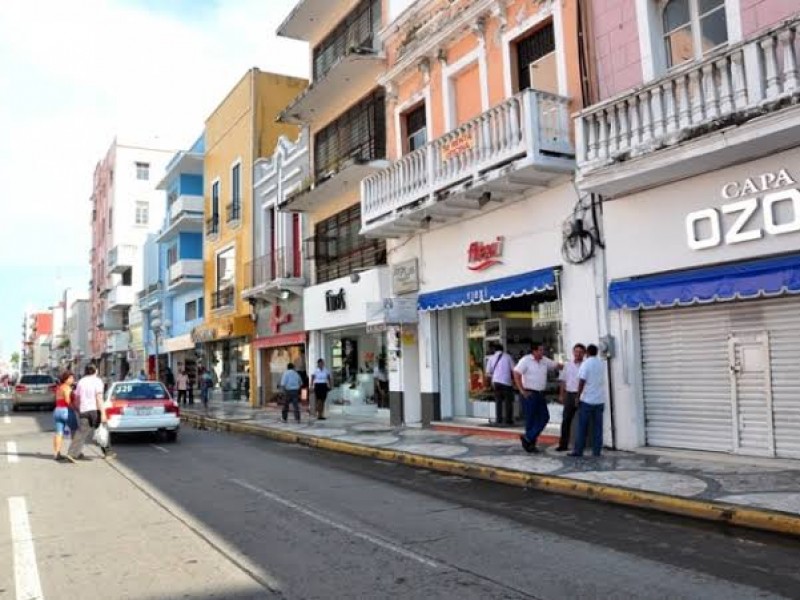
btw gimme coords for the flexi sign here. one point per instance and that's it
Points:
(749, 217)
(481, 256)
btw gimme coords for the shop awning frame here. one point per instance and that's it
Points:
(515, 286)
(764, 277)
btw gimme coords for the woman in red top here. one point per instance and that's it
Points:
(61, 412)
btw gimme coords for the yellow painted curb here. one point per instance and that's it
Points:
(754, 518)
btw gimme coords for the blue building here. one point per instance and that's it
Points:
(172, 298)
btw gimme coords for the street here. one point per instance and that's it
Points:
(225, 516)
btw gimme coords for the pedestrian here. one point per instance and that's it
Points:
(206, 383)
(568, 394)
(500, 371)
(142, 375)
(592, 402)
(190, 388)
(61, 416)
(530, 376)
(322, 382)
(291, 382)
(92, 413)
(381, 377)
(183, 384)
(169, 380)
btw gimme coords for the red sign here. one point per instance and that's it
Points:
(277, 319)
(481, 256)
(461, 143)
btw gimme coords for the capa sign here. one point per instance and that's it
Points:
(775, 211)
(481, 256)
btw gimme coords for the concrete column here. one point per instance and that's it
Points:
(428, 361)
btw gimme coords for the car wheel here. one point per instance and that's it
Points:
(171, 435)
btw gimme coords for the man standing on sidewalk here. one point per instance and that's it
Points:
(89, 392)
(291, 382)
(568, 394)
(322, 382)
(500, 371)
(183, 385)
(591, 393)
(530, 375)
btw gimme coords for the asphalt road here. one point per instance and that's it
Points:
(225, 516)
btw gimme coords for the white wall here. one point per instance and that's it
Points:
(372, 287)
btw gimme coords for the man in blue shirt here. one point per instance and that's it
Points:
(291, 382)
(591, 391)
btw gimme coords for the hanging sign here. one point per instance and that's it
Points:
(463, 142)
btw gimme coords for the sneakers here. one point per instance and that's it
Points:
(321, 419)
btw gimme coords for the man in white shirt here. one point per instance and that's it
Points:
(591, 391)
(89, 392)
(568, 394)
(183, 385)
(530, 376)
(500, 371)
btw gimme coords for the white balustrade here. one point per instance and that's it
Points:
(525, 125)
(744, 77)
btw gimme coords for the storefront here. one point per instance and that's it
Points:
(707, 311)
(183, 356)
(496, 278)
(336, 316)
(224, 350)
(280, 340)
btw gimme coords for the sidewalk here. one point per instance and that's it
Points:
(759, 493)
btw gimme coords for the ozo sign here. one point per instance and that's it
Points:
(776, 211)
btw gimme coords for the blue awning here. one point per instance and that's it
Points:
(499, 289)
(750, 279)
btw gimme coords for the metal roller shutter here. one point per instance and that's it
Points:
(686, 368)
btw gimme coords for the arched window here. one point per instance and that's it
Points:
(692, 28)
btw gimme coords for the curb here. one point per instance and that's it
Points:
(708, 510)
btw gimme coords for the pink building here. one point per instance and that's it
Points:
(101, 194)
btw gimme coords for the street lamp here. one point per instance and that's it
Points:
(158, 328)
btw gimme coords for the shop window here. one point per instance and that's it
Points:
(357, 135)
(416, 128)
(692, 28)
(536, 60)
(339, 250)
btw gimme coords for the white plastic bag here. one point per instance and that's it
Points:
(101, 436)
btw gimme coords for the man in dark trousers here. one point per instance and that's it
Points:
(500, 370)
(568, 394)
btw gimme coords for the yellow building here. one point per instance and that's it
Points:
(242, 128)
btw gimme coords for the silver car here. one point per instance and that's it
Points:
(34, 390)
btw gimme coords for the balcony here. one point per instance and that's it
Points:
(185, 273)
(212, 226)
(185, 215)
(334, 257)
(150, 296)
(738, 104)
(111, 320)
(233, 211)
(121, 258)
(222, 298)
(517, 148)
(121, 297)
(310, 19)
(274, 274)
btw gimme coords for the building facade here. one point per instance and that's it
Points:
(240, 130)
(691, 143)
(126, 209)
(343, 113)
(487, 235)
(172, 298)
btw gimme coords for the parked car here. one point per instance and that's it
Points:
(142, 406)
(34, 390)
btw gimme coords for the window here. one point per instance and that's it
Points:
(127, 277)
(226, 268)
(416, 131)
(536, 60)
(172, 256)
(142, 212)
(190, 311)
(359, 134)
(355, 31)
(236, 185)
(338, 250)
(693, 28)
(200, 308)
(142, 171)
(215, 198)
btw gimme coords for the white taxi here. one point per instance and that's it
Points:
(142, 406)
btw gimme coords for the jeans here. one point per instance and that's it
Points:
(585, 413)
(504, 398)
(204, 393)
(537, 415)
(291, 397)
(566, 422)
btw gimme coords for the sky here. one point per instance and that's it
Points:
(73, 75)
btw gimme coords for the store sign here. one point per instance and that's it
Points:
(335, 300)
(481, 256)
(459, 144)
(277, 319)
(749, 217)
(405, 277)
(204, 334)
